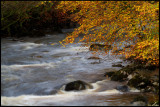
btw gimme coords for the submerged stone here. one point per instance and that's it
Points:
(93, 57)
(117, 65)
(123, 88)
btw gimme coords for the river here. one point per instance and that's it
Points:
(33, 73)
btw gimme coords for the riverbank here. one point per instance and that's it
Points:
(139, 76)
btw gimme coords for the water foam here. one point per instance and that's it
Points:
(26, 46)
(16, 66)
(64, 98)
(61, 98)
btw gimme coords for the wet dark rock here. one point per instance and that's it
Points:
(119, 76)
(149, 89)
(94, 57)
(117, 65)
(45, 51)
(137, 76)
(95, 47)
(144, 83)
(130, 76)
(108, 74)
(150, 67)
(77, 85)
(139, 66)
(139, 101)
(128, 69)
(155, 82)
(155, 78)
(123, 88)
(154, 89)
(139, 82)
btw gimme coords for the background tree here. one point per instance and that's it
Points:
(25, 16)
(15, 13)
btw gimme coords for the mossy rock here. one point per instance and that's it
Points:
(123, 73)
(135, 81)
(139, 82)
(128, 69)
(119, 76)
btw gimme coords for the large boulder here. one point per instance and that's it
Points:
(77, 86)
(95, 47)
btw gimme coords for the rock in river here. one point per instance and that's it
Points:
(95, 47)
(119, 76)
(117, 65)
(139, 82)
(109, 74)
(94, 57)
(77, 85)
(123, 88)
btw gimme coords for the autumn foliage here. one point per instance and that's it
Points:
(117, 23)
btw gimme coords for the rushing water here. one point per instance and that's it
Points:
(33, 72)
